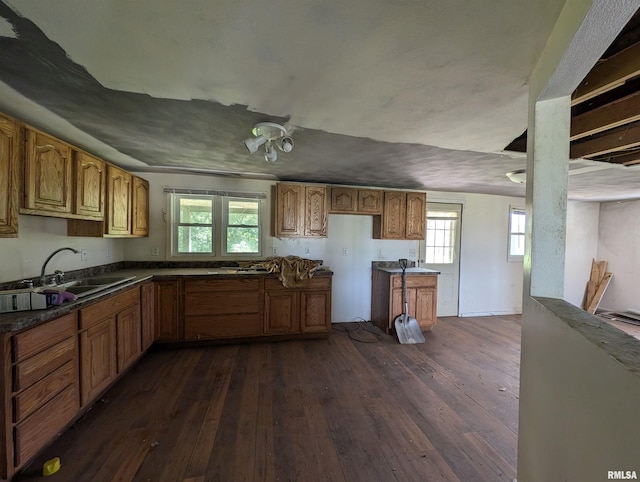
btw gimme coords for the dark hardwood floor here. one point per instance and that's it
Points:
(318, 410)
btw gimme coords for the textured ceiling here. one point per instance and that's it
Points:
(404, 93)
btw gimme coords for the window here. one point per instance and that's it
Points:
(242, 225)
(194, 226)
(517, 220)
(441, 236)
(207, 224)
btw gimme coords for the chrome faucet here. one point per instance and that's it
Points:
(44, 265)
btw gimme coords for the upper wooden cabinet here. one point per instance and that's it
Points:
(403, 216)
(48, 175)
(300, 211)
(118, 201)
(126, 212)
(10, 149)
(316, 211)
(392, 222)
(90, 184)
(369, 201)
(140, 207)
(416, 215)
(350, 200)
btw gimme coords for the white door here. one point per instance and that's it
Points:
(441, 251)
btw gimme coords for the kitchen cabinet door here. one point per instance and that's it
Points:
(369, 201)
(393, 215)
(147, 313)
(289, 210)
(167, 308)
(90, 175)
(10, 148)
(315, 311)
(118, 202)
(316, 211)
(344, 200)
(281, 312)
(140, 207)
(48, 175)
(128, 337)
(98, 362)
(416, 215)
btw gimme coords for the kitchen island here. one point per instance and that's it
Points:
(386, 295)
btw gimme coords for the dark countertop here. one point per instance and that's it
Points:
(410, 271)
(19, 320)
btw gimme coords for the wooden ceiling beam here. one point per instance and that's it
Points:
(626, 159)
(609, 73)
(609, 116)
(618, 139)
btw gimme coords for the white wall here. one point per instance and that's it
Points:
(618, 244)
(489, 283)
(39, 236)
(581, 248)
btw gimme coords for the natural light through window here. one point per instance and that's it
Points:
(195, 224)
(517, 220)
(242, 227)
(208, 223)
(441, 236)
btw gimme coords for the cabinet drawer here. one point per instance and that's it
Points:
(101, 310)
(317, 283)
(213, 303)
(37, 339)
(30, 371)
(38, 429)
(44, 390)
(420, 281)
(221, 285)
(222, 326)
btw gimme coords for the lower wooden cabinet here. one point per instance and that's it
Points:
(40, 388)
(167, 304)
(222, 309)
(110, 341)
(147, 314)
(298, 310)
(387, 304)
(128, 338)
(98, 365)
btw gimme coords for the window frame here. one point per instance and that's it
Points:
(442, 206)
(175, 224)
(225, 226)
(219, 223)
(515, 210)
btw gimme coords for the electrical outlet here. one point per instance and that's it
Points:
(345, 252)
(274, 251)
(108, 253)
(379, 253)
(84, 254)
(155, 251)
(307, 251)
(412, 253)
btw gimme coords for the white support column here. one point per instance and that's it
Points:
(547, 177)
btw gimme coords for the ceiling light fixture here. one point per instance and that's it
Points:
(268, 134)
(518, 176)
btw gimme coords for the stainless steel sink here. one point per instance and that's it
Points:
(102, 281)
(88, 286)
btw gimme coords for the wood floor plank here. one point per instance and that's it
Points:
(315, 410)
